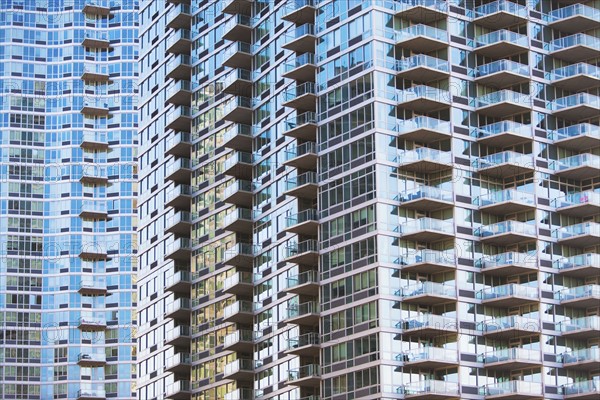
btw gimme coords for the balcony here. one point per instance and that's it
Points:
(428, 261)
(422, 68)
(239, 165)
(179, 171)
(178, 336)
(179, 144)
(507, 264)
(576, 77)
(240, 283)
(179, 363)
(424, 160)
(427, 325)
(585, 359)
(302, 39)
(179, 93)
(503, 103)
(576, 107)
(96, 7)
(93, 251)
(305, 283)
(179, 250)
(240, 220)
(425, 198)
(579, 137)
(241, 340)
(239, 255)
(94, 324)
(305, 222)
(426, 230)
(96, 40)
(502, 73)
(238, 28)
(505, 164)
(501, 44)
(423, 98)
(575, 48)
(241, 312)
(179, 197)
(430, 389)
(579, 266)
(500, 14)
(238, 55)
(299, 11)
(238, 109)
(302, 156)
(421, 11)
(509, 295)
(94, 210)
(303, 314)
(580, 328)
(513, 390)
(239, 193)
(584, 390)
(180, 16)
(179, 390)
(180, 282)
(423, 129)
(91, 360)
(240, 369)
(180, 119)
(585, 296)
(429, 358)
(301, 68)
(307, 345)
(240, 394)
(427, 293)
(580, 235)
(179, 223)
(179, 42)
(238, 82)
(98, 108)
(92, 140)
(239, 137)
(93, 286)
(421, 38)
(511, 359)
(237, 6)
(180, 67)
(305, 376)
(582, 204)
(509, 327)
(507, 201)
(303, 253)
(302, 97)
(95, 73)
(303, 126)
(179, 309)
(574, 18)
(91, 394)
(503, 134)
(302, 186)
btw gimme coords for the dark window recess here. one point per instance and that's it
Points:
(463, 199)
(462, 161)
(537, 43)
(547, 295)
(469, 389)
(457, 39)
(543, 202)
(546, 263)
(466, 293)
(539, 133)
(468, 357)
(333, 51)
(539, 103)
(333, 21)
(464, 230)
(460, 100)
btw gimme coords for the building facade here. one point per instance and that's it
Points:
(384, 199)
(68, 196)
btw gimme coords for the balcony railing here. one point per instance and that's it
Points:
(422, 61)
(576, 161)
(510, 128)
(508, 258)
(511, 354)
(424, 154)
(243, 335)
(512, 322)
(301, 180)
(428, 354)
(574, 199)
(421, 124)
(578, 39)
(91, 394)
(431, 321)
(308, 339)
(502, 35)
(579, 292)
(503, 96)
(426, 223)
(423, 92)
(502, 66)
(429, 387)
(574, 70)
(581, 355)
(579, 261)
(306, 371)
(501, 6)
(574, 10)
(506, 195)
(591, 387)
(505, 157)
(301, 217)
(425, 192)
(522, 388)
(575, 131)
(509, 290)
(584, 228)
(427, 289)
(428, 256)
(421, 30)
(298, 310)
(91, 358)
(580, 324)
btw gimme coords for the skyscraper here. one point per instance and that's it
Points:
(68, 198)
(376, 200)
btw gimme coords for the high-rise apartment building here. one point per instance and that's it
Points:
(68, 199)
(376, 200)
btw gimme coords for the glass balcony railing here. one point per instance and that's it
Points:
(301, 150)
(499, 128)
(308, 117)
(179, 277)
(401, 5)
(502, 35)
(505, 157)
(502, 196)
(99, 207)
(301, 180)
(502, 66)
(182, 303)
(590, 387)
(428, 354)
(238, 19)
(574, 100)
(237, 102)
(303, 278)
(425, 92)
(434, 387)
(421, 30)
(240, 306)
(240, 277)
(298, 91)
(179, 386)
(303, 30)
(95, 69)
(499, 6)
(235, 75)
(179, 217)
(422, 60)
(91, 393)
(179, 137)
(177, 191)
(428, 321)
(426, 223)
(511, 354)
(308, 339)
(93, 284)
(298, 310)
(179, 164)
(422, 122)
(512, 387)
(573, 199)
(244, 214)
(239, 249)
(584, 228)
(508, 258)
(180, 331)
(573, 131)
(503, 96)
(578, 324)
(180, 60)
(92, 321)
(180, 112)
(575, 69)
(91, 357)
(427, 289)
(238, 47)
(424, 154)
(97, 35)
(238, 130)
(177, 359)
(425, 192)
(300, 61)
(241, 364)
(306, 371)
(578, 292)
(239, 394)
(508, 290)
(238, 158)
(513, 322)
(180, 35)
(578, 39)
(237, 186)
(428, 255)
(581, 260)
(179, 244)
(180, 86)
(574, 10)
(581, 355)
(242, 335)
(306, 246)
(301, 217)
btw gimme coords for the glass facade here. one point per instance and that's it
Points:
(382, 199)
(68, 199)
